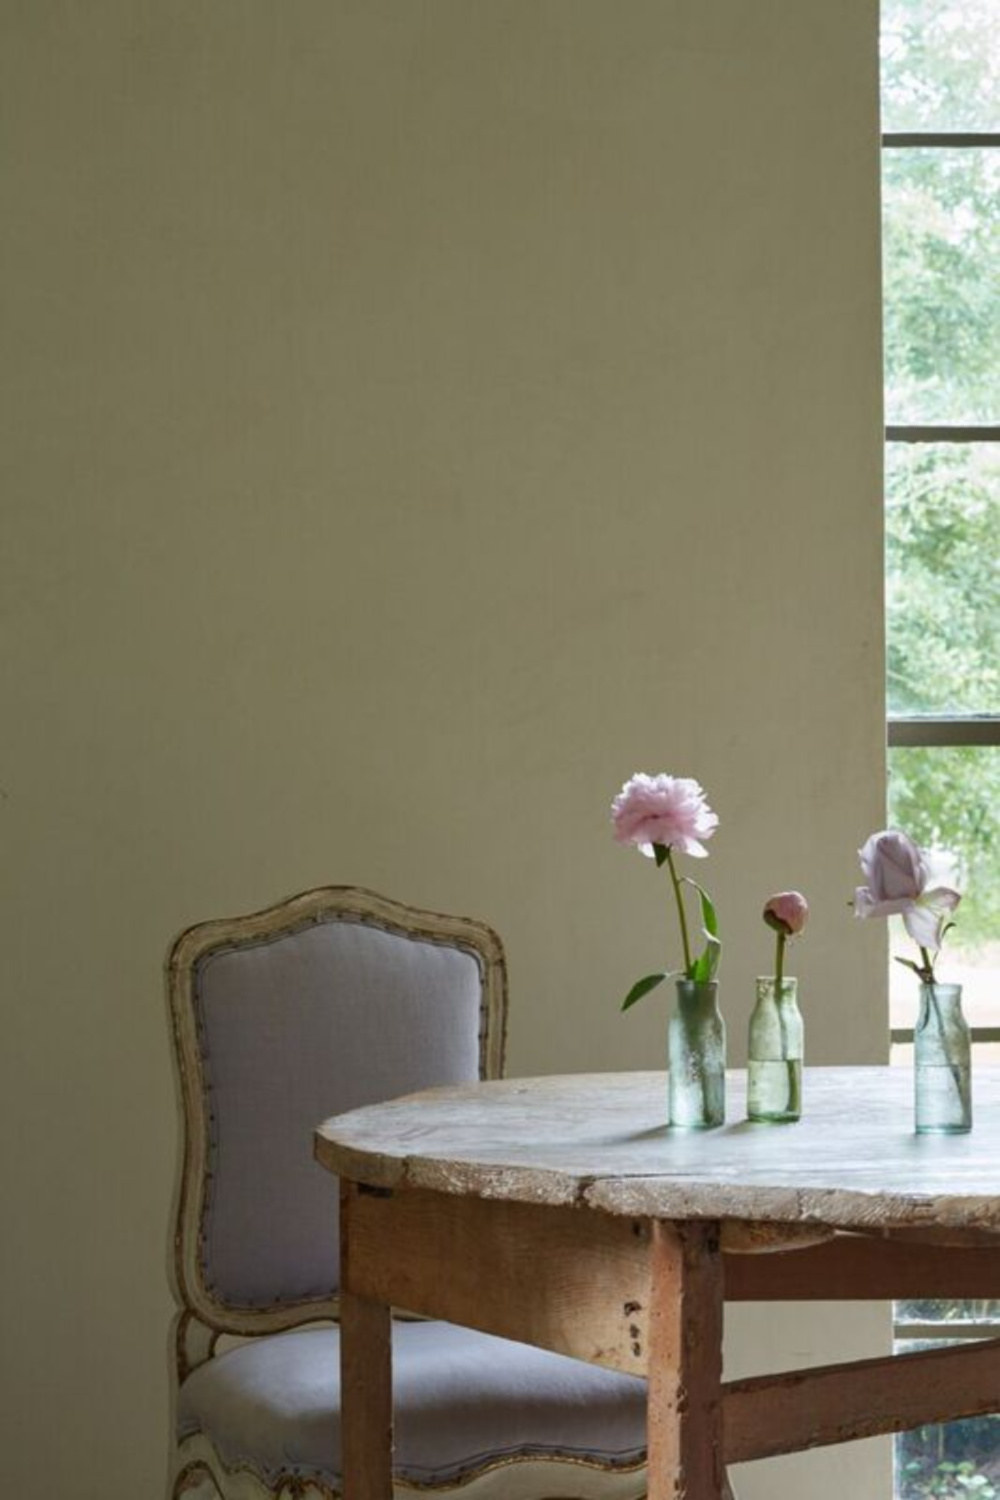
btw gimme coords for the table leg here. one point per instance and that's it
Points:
(365, 1398)
(685, 1363)
(365, 1379)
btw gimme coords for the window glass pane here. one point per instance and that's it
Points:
(952, 1462)
(950, 799)
(948, 1312)
(941, 222)
(942, 592)
(940, 65)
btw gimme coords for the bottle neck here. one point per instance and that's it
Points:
(694, 998)
(944, 1000)
(767, 991)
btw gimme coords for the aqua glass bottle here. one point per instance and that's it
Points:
(774, 1066)
(942, 1062)
(696, 1038)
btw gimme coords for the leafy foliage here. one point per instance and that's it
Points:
(940, 65)
(943, 603)
(941, 71)
(941, 270)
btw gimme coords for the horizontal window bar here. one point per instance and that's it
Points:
(958, 729)
(942, 434)
(941, 138)
(978, 1034)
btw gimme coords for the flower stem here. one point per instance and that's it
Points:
(678, 896)
(779, 978)
(929, 980)
(953, 1067)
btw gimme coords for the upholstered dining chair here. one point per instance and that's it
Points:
(325, 1002)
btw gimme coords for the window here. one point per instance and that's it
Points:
(941, 275)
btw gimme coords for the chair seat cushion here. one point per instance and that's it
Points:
(462, 1400)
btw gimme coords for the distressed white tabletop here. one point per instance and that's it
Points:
(601, 1140)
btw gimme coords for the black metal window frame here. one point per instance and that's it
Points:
(943, 730)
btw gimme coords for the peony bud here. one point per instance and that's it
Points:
(787, 912)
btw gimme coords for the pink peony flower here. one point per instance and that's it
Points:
(787, 912)
(904, 880)
(668, 810)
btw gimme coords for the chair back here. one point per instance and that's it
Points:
(334, 999)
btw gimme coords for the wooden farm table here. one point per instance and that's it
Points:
(564, 1213)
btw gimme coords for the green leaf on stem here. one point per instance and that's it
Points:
(924, 972)
(642, 987)
(708, 915)
(660, 852)
(704, 966)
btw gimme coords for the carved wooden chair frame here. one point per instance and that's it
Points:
(204, 1324)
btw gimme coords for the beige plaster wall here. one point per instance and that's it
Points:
(420, 415)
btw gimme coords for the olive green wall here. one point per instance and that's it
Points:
(421, 416)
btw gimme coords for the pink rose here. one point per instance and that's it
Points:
(904, 880)
(668, 810)
(787, 912)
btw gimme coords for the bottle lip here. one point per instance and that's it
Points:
(771, 979)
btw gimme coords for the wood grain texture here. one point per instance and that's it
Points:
(772, 1414)
(565, 1279)
(366, 1416)
(685, 1363)
(366, 1398)
(852, 1162)
(857, 1268)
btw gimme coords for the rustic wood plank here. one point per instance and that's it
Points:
(788, 1413)
(566, 1279)
(685, 1363)
(852, 1162)
(857, 1268)
(365, 1380)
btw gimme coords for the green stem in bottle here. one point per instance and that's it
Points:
(928, 964)
(678, 896)
(779, 978)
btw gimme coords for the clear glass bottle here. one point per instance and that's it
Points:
(774, 1067)
(696, 1037)
(942, 1062)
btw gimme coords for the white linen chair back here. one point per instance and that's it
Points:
(332, 1000)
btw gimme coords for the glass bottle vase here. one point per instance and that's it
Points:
(942, 1062)
(696, 1039)
(774, 1066)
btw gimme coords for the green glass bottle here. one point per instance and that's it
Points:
(774, 1068)
(942, 1057)
(696, 1041)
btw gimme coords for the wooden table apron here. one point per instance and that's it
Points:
(561, 1212)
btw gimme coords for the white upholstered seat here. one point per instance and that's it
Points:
(463, 1402)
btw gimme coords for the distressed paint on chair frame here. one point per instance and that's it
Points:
(208, 1324)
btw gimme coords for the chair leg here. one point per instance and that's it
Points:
(685, 1363)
